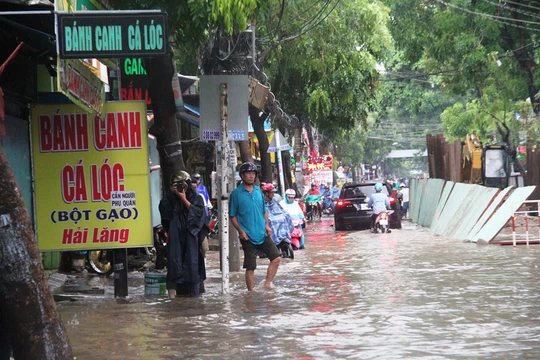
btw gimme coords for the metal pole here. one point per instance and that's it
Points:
(280, 162)
(514, 230)
(223, 172)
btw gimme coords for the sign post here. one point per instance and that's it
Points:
(223, 195)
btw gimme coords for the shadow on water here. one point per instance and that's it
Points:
(408, 294)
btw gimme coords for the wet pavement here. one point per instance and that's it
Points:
(405, 295)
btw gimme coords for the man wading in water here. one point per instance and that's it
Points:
(248, 215)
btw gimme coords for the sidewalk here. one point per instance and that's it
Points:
(80, 285)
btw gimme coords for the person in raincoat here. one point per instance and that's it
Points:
(183, 216)
(279, 220)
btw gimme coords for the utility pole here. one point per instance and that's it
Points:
(223, 173)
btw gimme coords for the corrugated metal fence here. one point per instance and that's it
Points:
(464, 211)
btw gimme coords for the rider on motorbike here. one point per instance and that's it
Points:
(313, 199)
(379, 203)
(327, 195)
(293, 209)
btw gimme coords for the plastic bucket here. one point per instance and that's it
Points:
(155, 284)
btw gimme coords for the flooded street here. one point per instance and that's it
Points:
(408, 294)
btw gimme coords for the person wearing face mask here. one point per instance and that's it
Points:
(184, 218)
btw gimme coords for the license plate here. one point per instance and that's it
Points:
(383, 222)
(363, 207)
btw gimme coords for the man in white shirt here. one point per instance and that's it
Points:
(404, 194)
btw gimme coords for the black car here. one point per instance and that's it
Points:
(351, 210)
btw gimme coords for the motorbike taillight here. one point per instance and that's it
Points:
(383, 216)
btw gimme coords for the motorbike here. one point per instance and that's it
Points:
(382, 222)
(297, 234)
(328, 206)
(101, 261)
(313, 210)
(213, 224)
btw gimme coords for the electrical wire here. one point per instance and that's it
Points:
(520, 4)
(493, 17)
(312, 27)
(513, 9)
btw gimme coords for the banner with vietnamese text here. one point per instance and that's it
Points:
(92, 187)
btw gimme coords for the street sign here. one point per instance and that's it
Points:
(211, 108)
(111, 34)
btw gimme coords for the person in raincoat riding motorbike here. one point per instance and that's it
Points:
(379, 203)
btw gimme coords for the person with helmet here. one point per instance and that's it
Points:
(183, 217)
(313, 201)
(250, 218)
(327, 196)
(379, 203)
(335, 192)
(201, 189)
(292, 207)
(403, 195)
(279, 220)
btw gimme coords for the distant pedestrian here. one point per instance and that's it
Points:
(183, 217)
(201, 189)
(249, 216)
(404, 195)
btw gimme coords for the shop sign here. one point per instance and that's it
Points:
(98, 34)
(320, 163)
(79, 83)
(91, 177)
(134, 81)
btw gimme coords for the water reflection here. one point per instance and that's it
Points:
(408, 294)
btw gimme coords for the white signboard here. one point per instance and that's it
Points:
(210, 103)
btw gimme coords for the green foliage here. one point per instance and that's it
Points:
(484, 60)
(328, 74)
(191, 22)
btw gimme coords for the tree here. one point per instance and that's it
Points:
(468, 47)
(28, 313)
(190, 24)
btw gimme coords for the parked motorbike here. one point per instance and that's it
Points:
(382, 222)
(101, 261)
(213, 224)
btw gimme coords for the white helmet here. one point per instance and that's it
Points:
(290, 192)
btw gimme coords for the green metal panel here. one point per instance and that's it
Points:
(504, 213)
(442, 202)
(464, 209)
(475, 207)
(452, 207)
(430, 199)
(487, 214)
(415, 198)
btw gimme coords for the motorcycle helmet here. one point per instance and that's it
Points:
(247, 167)
(378, 187)
(402, 185)
(313, 185)
(180, 176)
(267, 187)
(196, 176)
(290, 192)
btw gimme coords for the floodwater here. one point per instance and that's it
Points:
(350, 295)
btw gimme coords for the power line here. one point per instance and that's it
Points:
(493, 17)
(524, 5)
(510, 8)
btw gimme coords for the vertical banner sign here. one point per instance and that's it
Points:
(91, 177)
